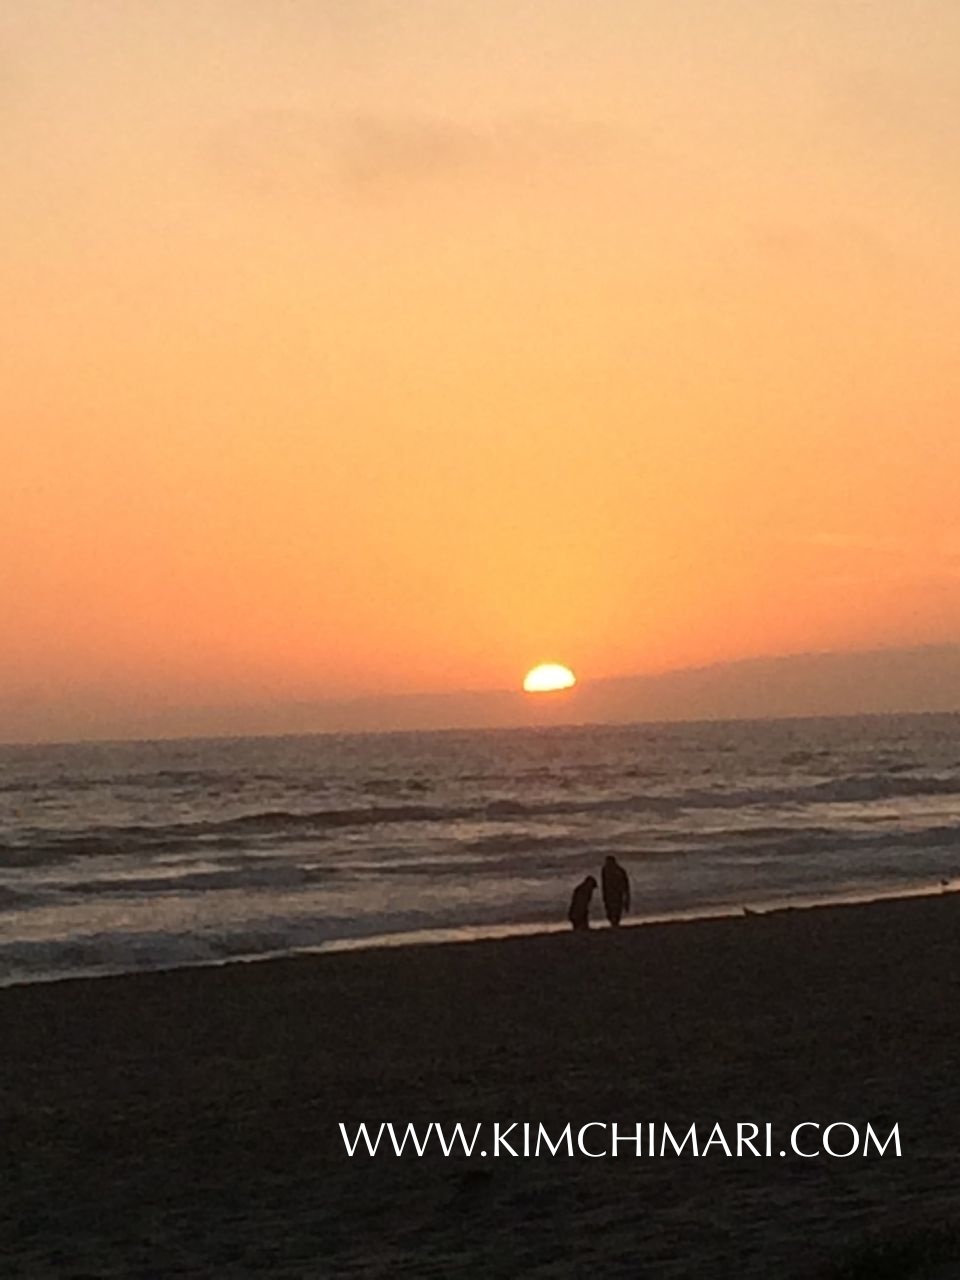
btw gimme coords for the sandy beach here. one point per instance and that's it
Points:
(186, 1123)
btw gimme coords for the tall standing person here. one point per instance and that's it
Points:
(616, 889)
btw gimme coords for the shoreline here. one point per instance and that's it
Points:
(469, 935)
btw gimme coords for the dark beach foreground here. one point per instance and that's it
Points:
(186, 1123)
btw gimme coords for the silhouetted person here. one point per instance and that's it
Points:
(616, 890)
(579, 913)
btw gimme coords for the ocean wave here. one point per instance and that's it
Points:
(515, 842)
(147, 780)
(105, 953)
(115, 952)
(279, 876)
(849, 789)
(820, 841)
(884, 786)
(395, 786)
(38, 846)
(324, 819)
(14, 899)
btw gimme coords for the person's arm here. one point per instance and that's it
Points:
(626, 892)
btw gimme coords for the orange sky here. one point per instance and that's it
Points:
(372, 346)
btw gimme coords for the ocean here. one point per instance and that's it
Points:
(128, 856)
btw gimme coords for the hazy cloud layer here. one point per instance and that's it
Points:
(296, 153)
(878, 681)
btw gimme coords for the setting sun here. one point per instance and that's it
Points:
(549, 677)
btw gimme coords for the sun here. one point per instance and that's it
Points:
(548, 677)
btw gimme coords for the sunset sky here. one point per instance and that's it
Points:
(380, 346)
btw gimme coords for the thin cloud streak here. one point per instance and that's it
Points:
(298, 153)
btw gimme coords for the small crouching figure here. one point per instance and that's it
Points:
(616, 889)
(579, 913)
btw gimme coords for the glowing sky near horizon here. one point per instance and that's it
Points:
(372, 346)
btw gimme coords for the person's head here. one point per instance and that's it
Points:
(590, 883)
(609, 860)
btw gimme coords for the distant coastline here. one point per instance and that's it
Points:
(895, 681)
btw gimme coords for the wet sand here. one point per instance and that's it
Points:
(185, 1124)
